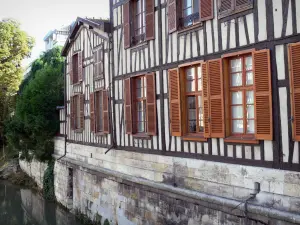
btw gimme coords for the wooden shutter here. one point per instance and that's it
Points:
(175, 103)
(294, 67)
(206, 10)
(80, 68)
(126, 21)
(73, 105)
(81, 113)
(71, 69)
(205, 100)
(225, 6)
(150, 20)
(263, 95)
(105, 112)
(128, 106)
(92, 114)
(216, 98)
(95, 56)
(242, 3)
(172, 16)
(151, 104)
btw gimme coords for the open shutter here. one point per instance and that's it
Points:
(80, 68)
(205, 100)
(81, 113)
(71, 69)
(206, 10)
(151, 104)
(216, 98)
(263, 95)
(73, 105)
(172, 16)
(126, 21)
(92, 109)
(105, 112)
(150, 20)
(175, 103)
(225, 6)
(242, 3)
(95, 56)
(128, 106)
(294, 66)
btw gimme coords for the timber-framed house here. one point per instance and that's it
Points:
(167, 86)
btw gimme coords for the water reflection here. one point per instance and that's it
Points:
(23, 207)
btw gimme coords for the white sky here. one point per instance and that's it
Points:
(38, 17)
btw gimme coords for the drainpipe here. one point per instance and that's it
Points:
(66, 111)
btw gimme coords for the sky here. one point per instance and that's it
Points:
(38, 17)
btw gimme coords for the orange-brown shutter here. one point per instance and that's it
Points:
(172, 16)
(175, 103)
(105, 112)
(92, 109)
(294, 66)
(71, 69)
(128, 106)
(150, 20)
(80, 68)
(206, 10)
(216, 109)
(126, 21)
(81, 113)
(73, 105)
(205, 100)
(151, 104)
(263, 95)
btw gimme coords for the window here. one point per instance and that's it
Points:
(98, 63)
(190, 12)
(242, 96)
(139, 21)
(75, 68)
(140, 105)
(99, 111)
(228, 7)
(193, 99)
(77, 112)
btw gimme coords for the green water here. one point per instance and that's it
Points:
(20, 206)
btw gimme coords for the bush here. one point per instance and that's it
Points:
(48, 182)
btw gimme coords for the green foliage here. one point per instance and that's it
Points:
(85, 220)
(15, 45)
(48, 182)
(36, 121)
(106, 222)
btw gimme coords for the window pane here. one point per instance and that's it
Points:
(187, 3)
(237, 112)
(237, 126)
(248, 62)
(196, 6)
(236, 79)
(190, 77)
(250, 97)
(250, 111)
(199, 72)
(250, 127)
(237, 98)
(236, 65)
(191, 114)
(144, 87)
(200, 114)
(249, 78)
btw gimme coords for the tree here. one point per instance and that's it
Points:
(15, 45)
(35, 123)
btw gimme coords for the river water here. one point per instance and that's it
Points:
(20, 206)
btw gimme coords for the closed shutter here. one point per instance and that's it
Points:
(105, 112)
(73, 105)
(206, 9)
(175, 103)
(128, 106)
(150, 20)
(126, 21)
(95, 56)
(100, 62)
(71, 69)
(172, 16)
(242, 3)
(92, 109)
(263, 95)
(205, 100)
(151, 104)
(216, 109)
(81, 113)
(294, 65)
(225, 6)
(80, 68)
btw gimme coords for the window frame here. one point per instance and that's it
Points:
(77, 117)
(75, 68)
(234, 9)
(194, 14)
(140, 38)
(99, 62)
(97, 97)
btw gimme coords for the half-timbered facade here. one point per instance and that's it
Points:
(200, 95)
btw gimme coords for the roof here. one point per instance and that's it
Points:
(101, 24)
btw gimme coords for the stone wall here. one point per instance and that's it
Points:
(35, 170)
